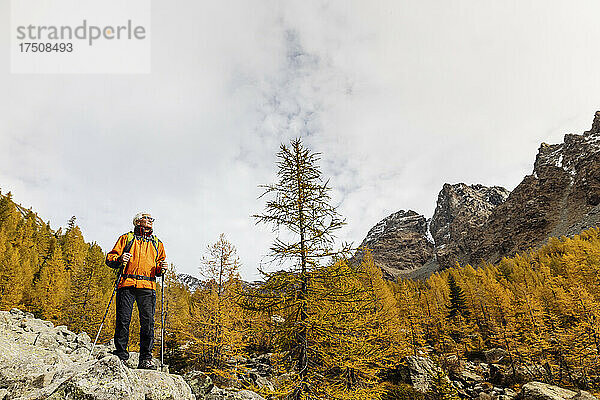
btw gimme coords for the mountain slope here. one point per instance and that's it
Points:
(475, 223)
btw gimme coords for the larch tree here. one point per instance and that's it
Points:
(80, 273)
(52, 285)
(299, 209)
(96, 285)
(409, 314)
(216, 313)
(442, 388)
(11, 275)
(28, 232)
(177, 320)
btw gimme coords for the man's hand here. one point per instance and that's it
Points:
(125, 258)
(162, 268)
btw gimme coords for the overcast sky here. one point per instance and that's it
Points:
(398, 96)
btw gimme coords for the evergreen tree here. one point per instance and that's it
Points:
(300, 205)
(96, 285)
(410, 314)
(458, 304)
(178, 325)
(52, 286)
(80, 274)
(216, 314)
(11, 273)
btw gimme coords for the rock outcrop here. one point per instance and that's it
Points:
(191, 282)
(419, 372)
(461, 209)
(399, 243)
(475, 223)
(560, 197)
(471, 379)
(41, 361)
(406, 244)
(543, 391)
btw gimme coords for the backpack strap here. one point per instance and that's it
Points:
(155, 241)
(126, 249)
(130, 239)
(139, 277)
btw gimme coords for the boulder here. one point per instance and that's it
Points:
(21, 314)
(468, 377)
(495, 356)
(108, 378)
(418, 371)
(24, 367)
(35, 325)
(543, 391)
(64, 335)
(220, 394)
(505, 375)
(200, 383)
(46, 340)
(262, 382)
(83, 339)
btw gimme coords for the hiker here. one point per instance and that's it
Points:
(143, 258)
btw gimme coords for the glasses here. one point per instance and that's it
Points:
(148, 218)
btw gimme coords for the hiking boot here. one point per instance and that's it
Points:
(146, 364)
(123, 360)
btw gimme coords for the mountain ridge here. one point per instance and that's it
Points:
(474, 223)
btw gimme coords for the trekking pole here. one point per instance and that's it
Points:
(106, 312)
(162, 323)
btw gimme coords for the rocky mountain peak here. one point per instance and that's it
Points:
(460, 207)
(475, 223)
(406, 243)
(569, 155)
(191, 282)
(595, 126)
(409, 221)
(398, 243)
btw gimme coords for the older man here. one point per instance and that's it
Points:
(143, 258)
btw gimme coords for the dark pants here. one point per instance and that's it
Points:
(146, 303)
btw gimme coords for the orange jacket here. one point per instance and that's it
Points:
(144, 260)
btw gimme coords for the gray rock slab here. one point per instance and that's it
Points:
(543, 391)
(220, 394)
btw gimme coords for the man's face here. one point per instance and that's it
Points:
(146, 221)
